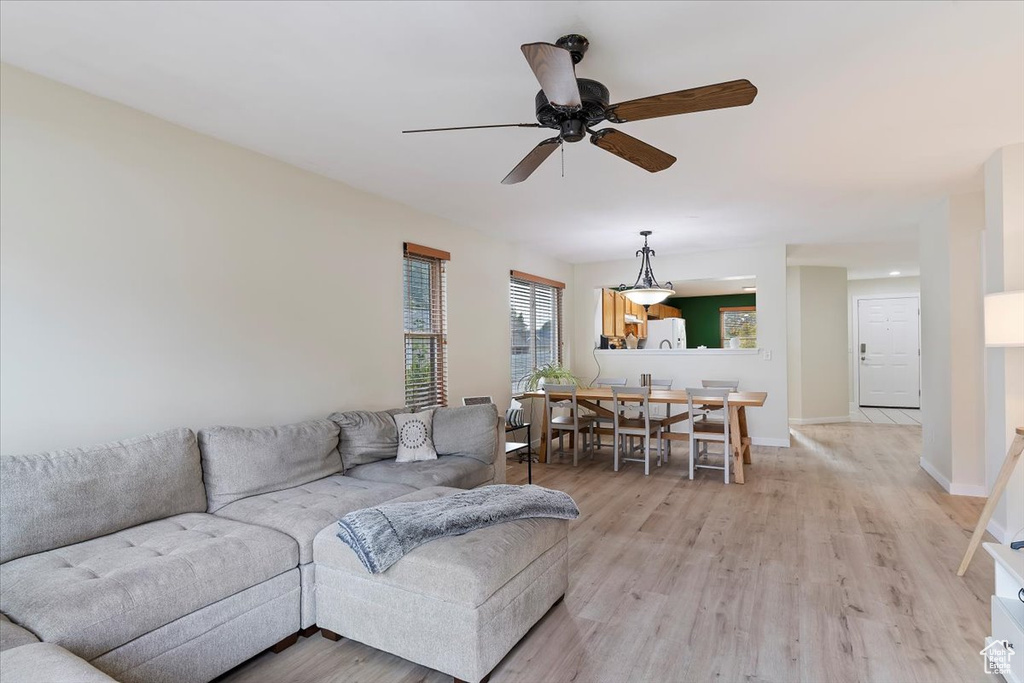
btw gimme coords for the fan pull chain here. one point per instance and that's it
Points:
(562, 146)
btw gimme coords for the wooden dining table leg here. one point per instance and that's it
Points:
(736, 439)
(745, 443)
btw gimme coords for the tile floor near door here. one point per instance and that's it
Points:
(835, 562)
(887, 416)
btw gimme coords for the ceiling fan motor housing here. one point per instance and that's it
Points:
(595, 99)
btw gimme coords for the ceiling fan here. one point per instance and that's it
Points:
(572, 106)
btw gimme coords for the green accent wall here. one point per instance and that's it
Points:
(703, 323)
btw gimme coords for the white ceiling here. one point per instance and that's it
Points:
(733, 285)
(867, 112)
(862, 260)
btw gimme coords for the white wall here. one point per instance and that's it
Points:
(886, 288)
(1004, 368)
(768, 424)
(817, 337)
(952, 344)
(153, 277)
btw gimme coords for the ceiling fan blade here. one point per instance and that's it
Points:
(499, 125)
(553, 67)
(531, 161)
(719, 96)
(632, 150)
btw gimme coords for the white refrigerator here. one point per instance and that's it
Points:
(666, 334)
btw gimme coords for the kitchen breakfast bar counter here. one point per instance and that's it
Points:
(738, 403)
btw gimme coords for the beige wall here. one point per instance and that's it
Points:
(886, 288)
(768, 425)
(952, 344)
(818, 338)
(1004, 388)
(153, 277)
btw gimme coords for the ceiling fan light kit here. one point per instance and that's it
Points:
(646, 291)
(573, 106)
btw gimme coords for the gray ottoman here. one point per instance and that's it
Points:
(457, 604)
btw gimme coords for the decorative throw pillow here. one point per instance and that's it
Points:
(415, 437)
(514, 415)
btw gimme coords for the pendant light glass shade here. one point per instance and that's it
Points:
(648, 297)
(646, 291)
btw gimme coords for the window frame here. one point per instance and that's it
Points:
(721, 323)
(548, 287)
(437, 384)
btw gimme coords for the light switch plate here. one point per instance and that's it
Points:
(767, 354)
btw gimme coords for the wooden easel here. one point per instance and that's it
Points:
(1012, 456)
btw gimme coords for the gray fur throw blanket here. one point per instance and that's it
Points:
(381, 535)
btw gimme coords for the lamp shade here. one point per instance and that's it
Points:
(648, 297)
(1004, 319)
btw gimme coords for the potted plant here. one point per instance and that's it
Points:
(551, 373)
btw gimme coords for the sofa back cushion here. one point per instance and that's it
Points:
(239, 462)
(469, 431)
(50, 500)
(367, 436)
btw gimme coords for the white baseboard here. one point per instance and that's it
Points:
(767, 441)
(935, 474)
(975, 490)
(998, 531)
(818, 420)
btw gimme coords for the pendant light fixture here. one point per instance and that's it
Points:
(646, 291)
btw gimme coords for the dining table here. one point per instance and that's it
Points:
(591, 398)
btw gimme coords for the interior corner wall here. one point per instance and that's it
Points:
(952, 344)
(152, 277)
(817, 341)
(1004, 368)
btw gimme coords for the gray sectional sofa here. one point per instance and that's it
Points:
(175, 557)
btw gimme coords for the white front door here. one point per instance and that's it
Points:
(889, 352)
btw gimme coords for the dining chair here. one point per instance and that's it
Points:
(715, 413)
(702, 431)
(642, 427)
(661, 411)
(574, 422)
(606, 382)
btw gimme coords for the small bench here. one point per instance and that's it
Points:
(458, 604)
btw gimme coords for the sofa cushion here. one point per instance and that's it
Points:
(367, 436)
(302, 511)
(50, 663)
(49, 500)
(468, 431)
(95, 596)
(449, 470)
(12, 635)
(239, 462)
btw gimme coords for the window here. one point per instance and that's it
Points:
(426, 327)
(535, 308)
(740, 321)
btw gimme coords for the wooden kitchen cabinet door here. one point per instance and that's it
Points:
(607, 312)
(620, 315)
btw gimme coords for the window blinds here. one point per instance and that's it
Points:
(426, 327)
(535, 307)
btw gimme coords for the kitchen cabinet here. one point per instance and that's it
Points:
(607, 313)
(620, 315)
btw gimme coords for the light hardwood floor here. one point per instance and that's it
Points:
(835, 562)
